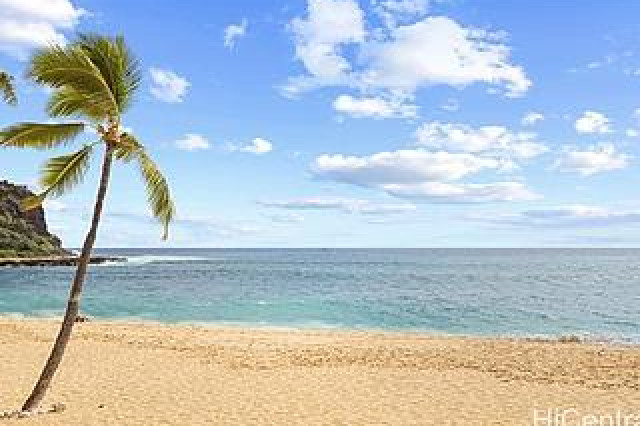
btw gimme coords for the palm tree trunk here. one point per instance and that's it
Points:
(71, 313)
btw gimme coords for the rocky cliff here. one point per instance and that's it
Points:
(24, 234)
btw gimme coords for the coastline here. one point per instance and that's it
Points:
(148, 373)
(55, 261)
(581, 337)
(317, 327)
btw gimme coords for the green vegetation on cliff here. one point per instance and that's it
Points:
(24, 233)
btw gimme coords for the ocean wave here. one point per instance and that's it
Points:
(147, 259)
(43, 314)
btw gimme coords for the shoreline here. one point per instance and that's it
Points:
(15, 262)
(189, 374)
(569, 338)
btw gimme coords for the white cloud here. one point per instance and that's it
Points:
(193, 142)
(396, 60)
(35, 23)
(492, 140)
(330, 24)
(422, 175)
(532, 118)
(462, 193)
(567, 216)
(168, 86)
(394, 11)
(257, 146)
(348, 205)
(632, 133)
(234, 32)
(593, 122)
(595, 159)
(376, 107)
(403, 166)
(438, 50)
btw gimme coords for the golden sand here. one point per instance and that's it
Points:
(145, 374)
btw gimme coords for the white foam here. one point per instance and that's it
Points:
(145, 259)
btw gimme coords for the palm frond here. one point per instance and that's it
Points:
(158, 193)
(68, 102)
(70, 67)
(7, 88)
(39, 135)
(60, 174)
(116, 63)
(128, 147)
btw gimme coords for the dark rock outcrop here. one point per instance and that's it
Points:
(39, 260)
(24, 233)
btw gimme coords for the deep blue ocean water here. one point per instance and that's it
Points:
(594, 293)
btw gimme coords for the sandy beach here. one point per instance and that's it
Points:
(148, 374)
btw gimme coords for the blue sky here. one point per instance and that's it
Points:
(371, 123)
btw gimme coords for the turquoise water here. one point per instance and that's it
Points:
(541, 292)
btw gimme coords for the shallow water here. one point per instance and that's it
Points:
(594, 293)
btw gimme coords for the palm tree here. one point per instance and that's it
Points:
(7, 89)
(93, 79)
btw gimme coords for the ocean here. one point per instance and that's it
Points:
(591, 293)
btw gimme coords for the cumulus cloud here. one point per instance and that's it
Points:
(594, 159)
(462, 193)
(423, 175)
(593, 122)
(402, 166)
(234, 32)
(567, 216)
(376, 107)
(532, 118)
(399, 58)
(320, 37)
(348, 205)
(168, 86)
(35, 23)
(485, 139)
(193, 142)
(257, 146)
(393, 12)
(464, 56)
